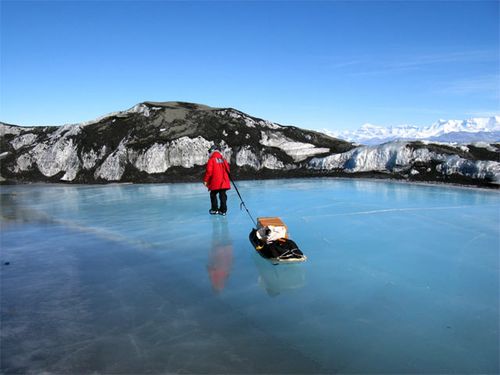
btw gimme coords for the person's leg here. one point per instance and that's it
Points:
(213, 201)
(223, 200)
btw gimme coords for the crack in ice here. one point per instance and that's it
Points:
(390, 210)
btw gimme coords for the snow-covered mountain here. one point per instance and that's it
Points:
(483, 129)
(168, 141)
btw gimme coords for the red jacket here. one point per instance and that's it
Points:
(216, 176)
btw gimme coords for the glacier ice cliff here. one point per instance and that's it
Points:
(413, 158)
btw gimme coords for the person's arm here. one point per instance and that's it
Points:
(208, 172)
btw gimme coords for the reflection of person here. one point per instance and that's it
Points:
(221, 256)
(216, 179)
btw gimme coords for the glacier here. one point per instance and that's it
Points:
(402, 157)
(138, 278)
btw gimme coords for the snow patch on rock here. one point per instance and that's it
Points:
(249, 122)
(153, 160)
(14, 130)
(65, 131)
(485, 145)
(23, 163)
(113, 167)
(52, 159)
(90, 159)
(142, 109)
(272, 162)
(246, 156)
(23, 140)
(297, 150)
(138, 108)
(269, 124)
(184, 152)
(188, 152)
(480, 169)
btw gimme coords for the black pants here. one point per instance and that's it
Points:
(222, 198)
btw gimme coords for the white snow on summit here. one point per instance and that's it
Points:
(474, 129)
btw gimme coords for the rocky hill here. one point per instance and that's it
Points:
(168, 141)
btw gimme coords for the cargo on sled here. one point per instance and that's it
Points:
(270, 240)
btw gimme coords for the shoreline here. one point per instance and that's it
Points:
(494, 189)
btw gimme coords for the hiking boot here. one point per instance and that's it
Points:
(213, 212)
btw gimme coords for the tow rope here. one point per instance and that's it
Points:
(242, 204)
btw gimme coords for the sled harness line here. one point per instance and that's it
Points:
(242, 204)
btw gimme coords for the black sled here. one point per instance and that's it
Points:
(282, 250)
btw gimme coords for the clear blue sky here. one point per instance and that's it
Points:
(318, 65)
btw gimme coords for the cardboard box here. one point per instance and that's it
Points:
(274, 223)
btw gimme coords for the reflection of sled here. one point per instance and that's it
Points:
(282, 250)
(277, 280)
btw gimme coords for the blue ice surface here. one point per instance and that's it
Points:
(400, 278)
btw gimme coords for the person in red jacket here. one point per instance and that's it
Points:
(217, 181)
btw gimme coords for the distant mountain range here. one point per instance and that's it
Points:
(486, 129)
(169, 141)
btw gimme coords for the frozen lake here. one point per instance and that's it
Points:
(140, 279)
